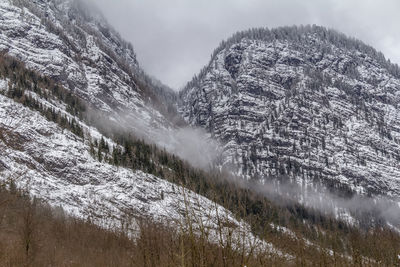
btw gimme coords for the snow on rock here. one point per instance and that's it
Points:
(74, 45)
(302, 102)
(56, 166)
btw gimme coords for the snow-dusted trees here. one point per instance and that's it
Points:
(301, 35)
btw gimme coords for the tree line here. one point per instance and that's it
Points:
(253, 207)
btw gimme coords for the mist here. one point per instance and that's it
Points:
(174, 39)
(192, 144)
(199, 149)
(354, 209)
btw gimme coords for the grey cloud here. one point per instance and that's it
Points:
(191, 144)
(174, 39)
(356, 209)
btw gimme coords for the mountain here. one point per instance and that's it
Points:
(51, 153)
(72, 98)
(84, 128)
(71, 43)
(304, 104)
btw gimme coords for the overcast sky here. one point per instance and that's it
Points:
(173, 39)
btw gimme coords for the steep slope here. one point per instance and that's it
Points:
(305, 103)
(73, 44)
(55, 165)
(50, 146)
(75, 47)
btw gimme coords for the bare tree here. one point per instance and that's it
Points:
(28, 228)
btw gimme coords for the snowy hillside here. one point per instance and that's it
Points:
(305, 103)
(73, 44)
(55, 165)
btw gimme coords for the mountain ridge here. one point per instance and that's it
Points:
(293, 88)
(80, 50)
(270, 34)
(80, 145)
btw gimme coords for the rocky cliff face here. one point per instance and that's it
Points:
(56, 164)
(74, 45)
(304, 103)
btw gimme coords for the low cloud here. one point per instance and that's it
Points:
(191, 144)
(201, 151)
(354, 209)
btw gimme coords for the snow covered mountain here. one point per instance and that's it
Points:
(306, 103)
(75, 73)
(55, 163)
(74, 45)
(47, 146)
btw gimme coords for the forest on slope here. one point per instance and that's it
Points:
(299, 231)
(310, 236)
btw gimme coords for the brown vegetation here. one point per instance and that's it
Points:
(34, 234)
